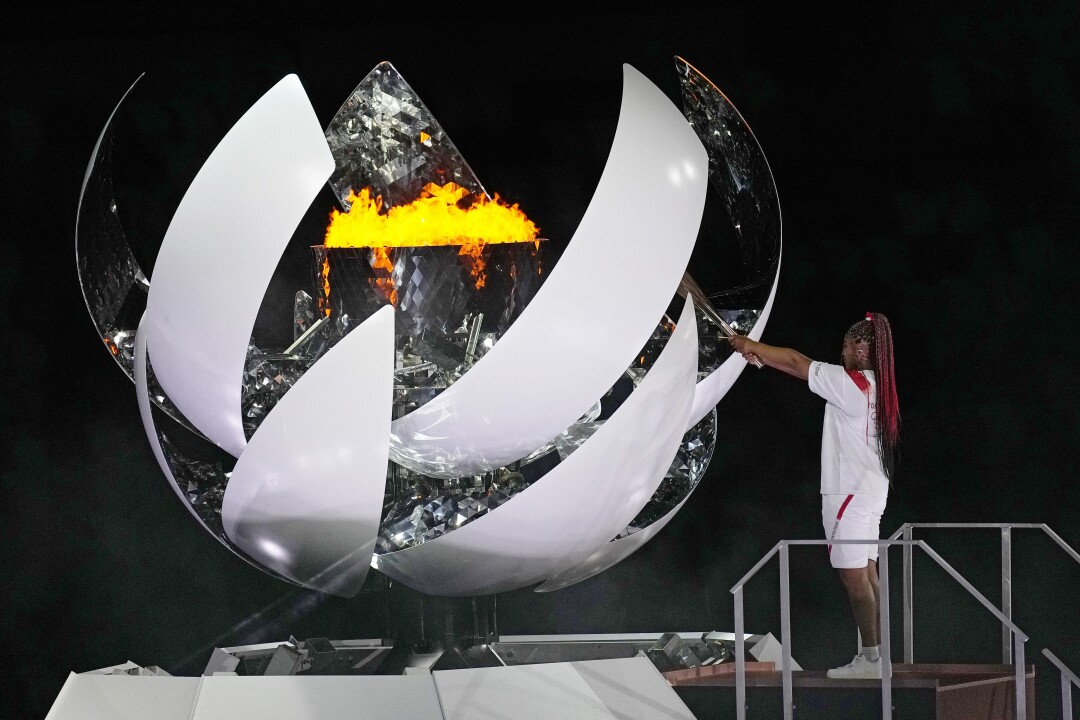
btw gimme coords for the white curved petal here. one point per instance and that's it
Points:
(562, 354)
(706, 395)
(143, 395)
(578, 506)
(305, 498)
(610, 554)
(713, 388)
(759, 327)
(220, 252)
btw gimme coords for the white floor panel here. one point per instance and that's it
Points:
(296, 697)
(525, 692)
(633, 688)
(593, 690)
(125, 697)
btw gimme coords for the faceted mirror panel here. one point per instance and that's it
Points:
(385, 138)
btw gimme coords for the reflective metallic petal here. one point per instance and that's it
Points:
(742, 178)
(521, 394)
(305, 498)
(579, 505)
(112, 284)
(740, 173)
(215, 262)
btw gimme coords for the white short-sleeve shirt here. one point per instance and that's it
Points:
(850, 460)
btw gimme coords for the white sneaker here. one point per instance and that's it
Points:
(860, 668)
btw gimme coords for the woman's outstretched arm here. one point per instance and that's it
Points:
(790, 361)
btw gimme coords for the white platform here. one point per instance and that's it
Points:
(600, 689)
(125, 697)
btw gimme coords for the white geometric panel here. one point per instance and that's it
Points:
(576, 507)
(302, 697)
(591, 690)
(220, 252)
(125, 697)
(633, 688)
(305, 498)
(562, 354)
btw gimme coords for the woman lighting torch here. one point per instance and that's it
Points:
(858, 457)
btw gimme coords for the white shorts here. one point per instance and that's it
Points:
(852, 517)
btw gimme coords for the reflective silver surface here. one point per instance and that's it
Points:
(113, 285)
(423, 514)
(741, 176)
(431, 287)
(385, 138)
(682, 477)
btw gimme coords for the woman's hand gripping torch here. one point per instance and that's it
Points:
(689, 286)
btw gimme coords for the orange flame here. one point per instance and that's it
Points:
(324, 304)
(442, 215)
(381, 260)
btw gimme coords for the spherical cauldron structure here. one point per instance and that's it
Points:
(462, 436)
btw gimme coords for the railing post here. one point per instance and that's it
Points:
(1066, 697)
(1006, 593)
(1021, 679)
(785, 630)
(1068, 679)
(909, 600)
(740, 658)
(884, 633)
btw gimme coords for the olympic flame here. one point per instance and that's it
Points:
(442, 215)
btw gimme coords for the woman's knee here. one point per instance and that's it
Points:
(855, 580)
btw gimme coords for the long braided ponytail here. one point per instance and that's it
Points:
(875, 329)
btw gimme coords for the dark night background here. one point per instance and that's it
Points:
(928, 166)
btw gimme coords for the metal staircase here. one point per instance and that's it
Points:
(1013, 638)
(906, 531)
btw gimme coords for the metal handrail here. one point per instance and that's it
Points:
(760, 563)
(1006, 574)
(781, 548)
(1067, 676)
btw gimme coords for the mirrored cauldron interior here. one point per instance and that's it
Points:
(454, 299)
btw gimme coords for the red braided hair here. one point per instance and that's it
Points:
(875, 329)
